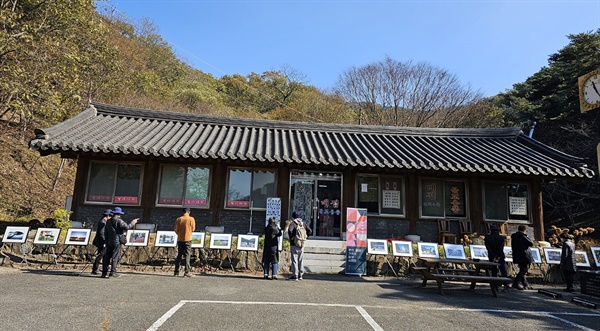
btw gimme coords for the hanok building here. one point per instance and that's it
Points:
(154, 163)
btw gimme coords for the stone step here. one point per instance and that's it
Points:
(323, 270)
(325, 250)
(326, 257)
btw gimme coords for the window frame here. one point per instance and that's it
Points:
(251, 170)
(507, 183)
(379, 193)
(467, 201)
(183, 205)
(114, 188)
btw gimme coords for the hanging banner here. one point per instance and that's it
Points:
(356, 241)
(274, 210)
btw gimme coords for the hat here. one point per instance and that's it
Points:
(296, 214)
(107, 212)
(118, 210)
(493, 227)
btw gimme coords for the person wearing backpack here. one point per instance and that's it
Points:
(298, 233)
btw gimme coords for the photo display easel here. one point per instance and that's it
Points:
(136, 239)
(48, 237)
(249, 243)
(17, 235)
(164, 240)
(379, 247)
(222, 241)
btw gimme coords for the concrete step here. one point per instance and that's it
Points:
(323, 270)
(325, 257)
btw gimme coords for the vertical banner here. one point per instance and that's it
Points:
(356, 241)
(274, 210)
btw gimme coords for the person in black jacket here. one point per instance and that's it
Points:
(520, 243)
(568, 263)
(494, 243)
(100, 240)
(114, 230)
(271, 248)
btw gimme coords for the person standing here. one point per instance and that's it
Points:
(568, 264)
(271, 248)
(520, 243)
(100, 240)
(115, 236)
(184, 226)
(494, 243)
(297, 249)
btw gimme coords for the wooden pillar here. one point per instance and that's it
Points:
(150, 188)
(412, 202)
(83, 166)
(537, 209)
(476, 204)
(348, 196)
(283, 191)
(218, 190)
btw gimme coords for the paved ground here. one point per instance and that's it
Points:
(36, 299)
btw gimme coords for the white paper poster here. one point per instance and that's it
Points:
(518, 206)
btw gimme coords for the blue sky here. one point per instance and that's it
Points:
(490, 45)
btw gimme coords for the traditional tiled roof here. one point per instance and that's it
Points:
(111, 129)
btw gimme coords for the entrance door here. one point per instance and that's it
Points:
(318, 197)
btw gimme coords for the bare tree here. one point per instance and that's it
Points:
(390, 92)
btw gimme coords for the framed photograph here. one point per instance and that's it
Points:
(377, 246)
(15, 234)
(535, 253)
(46, 236)
(596, 255)
(198, 239)
(479, 252)
(78, 237)
(402, 248)
(247, 242)
(220, 240)
(508, 254)
(581, 259)
(552, 255)
(137, 238)
(428, 250)
(455, 251)
(166, 239)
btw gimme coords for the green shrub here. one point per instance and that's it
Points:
(61, 217)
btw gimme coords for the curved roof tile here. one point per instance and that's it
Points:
(175, 135)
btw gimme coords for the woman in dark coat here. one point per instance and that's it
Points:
(271, 251)
(567, 261)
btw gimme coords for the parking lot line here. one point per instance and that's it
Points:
(368, 317)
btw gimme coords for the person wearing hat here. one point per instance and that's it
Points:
(568, 263)
(494, 243)
(520, 243)
(115, 234)
(100, 240)
(297, 252)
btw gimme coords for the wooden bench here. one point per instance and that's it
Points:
(461, 270)
(493, 281)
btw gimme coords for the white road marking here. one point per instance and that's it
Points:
(368, 317)
(166, 316)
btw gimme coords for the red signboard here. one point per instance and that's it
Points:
(126, 199)
(195, 202)
(238, 204)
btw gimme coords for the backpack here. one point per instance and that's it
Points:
(301, 235)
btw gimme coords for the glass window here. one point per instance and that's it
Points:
(443, 198)
(184, 186)
(249, 188)
(380, 194)
(506, 201)
(114, 183)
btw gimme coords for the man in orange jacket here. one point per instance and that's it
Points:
(184, 226)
